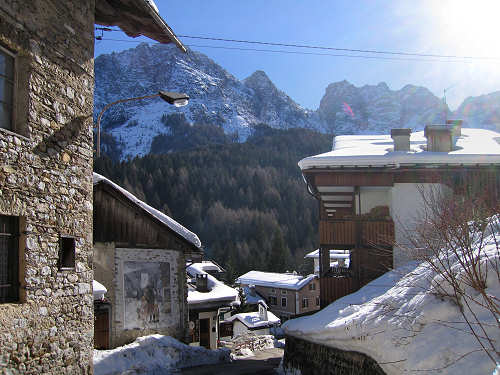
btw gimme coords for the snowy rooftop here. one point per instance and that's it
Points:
(253, 319)
(334, 254)
(474, 146)
(218, 291)
(208, 265)
(406, 323)
(253, 299)
(168, 221)
(275, 280)
(98, 290)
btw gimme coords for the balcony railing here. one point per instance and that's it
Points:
(356, 232)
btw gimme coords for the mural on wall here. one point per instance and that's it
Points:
(147, 294)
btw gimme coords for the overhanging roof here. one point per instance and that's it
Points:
(135, 18)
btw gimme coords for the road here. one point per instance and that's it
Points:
(263, 363)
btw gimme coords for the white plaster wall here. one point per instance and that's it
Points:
(372, 197)
(240, 329)
(170, 324)
(407, 210)
(212, 315)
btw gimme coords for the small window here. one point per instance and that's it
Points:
(312, 286)
(9, 259)
(283, 292)
(7, 63)
(317, 301)
(273, 291)
(283, 301)
(66, 253)
(273, 300)
(305, 303)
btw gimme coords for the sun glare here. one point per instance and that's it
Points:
(471, 27)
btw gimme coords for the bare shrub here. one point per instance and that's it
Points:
(459, 239)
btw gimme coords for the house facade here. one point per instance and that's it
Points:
(210, 301)
(372, 190)
(140, 256)
(257, 322)
(287, 295)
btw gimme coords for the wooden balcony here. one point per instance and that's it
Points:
(356, 232)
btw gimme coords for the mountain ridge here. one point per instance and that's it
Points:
(219, 98)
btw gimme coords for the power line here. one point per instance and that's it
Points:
(306, 53)
(308, 46)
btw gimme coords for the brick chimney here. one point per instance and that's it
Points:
(439, 138)
(401, 139)
(202, 283)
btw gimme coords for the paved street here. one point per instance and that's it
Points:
(263, 363)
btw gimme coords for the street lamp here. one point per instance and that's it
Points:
(174, 98)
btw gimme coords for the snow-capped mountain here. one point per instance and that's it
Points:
(216, 97)
(377, 109)
(219, 98)
(481, 111)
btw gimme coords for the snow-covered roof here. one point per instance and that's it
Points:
(168, 221)
(98, 290)
(253, 319)
(253, 299)
(275, 280)
(473, 147)
(208, 265)
(218, 291)
(405, 325)
(334, 254)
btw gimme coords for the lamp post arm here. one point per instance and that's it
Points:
(98, 125)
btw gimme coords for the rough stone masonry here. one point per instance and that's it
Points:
(46, 184)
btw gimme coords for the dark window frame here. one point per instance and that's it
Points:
(12, 81)
(285, 300)
(67, 253)
(305, 303)
(9, 259)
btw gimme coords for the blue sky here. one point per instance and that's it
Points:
(446, 27)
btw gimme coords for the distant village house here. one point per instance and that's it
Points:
(287, 294)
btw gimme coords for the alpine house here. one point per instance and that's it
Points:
(372, 188)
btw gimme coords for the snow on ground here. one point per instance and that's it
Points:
(155, 354)
(254, 320)
(403, 322)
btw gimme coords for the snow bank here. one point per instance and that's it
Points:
(406, 323)
(154, 354)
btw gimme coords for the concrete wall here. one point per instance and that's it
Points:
(407, 210)
(46, 181)
(214, 328)
(315, 359)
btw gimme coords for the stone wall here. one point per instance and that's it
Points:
(315, 359)
(46, 181)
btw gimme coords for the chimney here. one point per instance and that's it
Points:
(202, 283)
(456, 130)
(401, 139)
(439, 138)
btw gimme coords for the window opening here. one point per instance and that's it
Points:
(6, 89)
(67, 253)
(9, 259)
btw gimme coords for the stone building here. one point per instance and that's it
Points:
(140, 257)
(46, 100)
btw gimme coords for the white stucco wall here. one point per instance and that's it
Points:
(240, 329)
(372, 197)
(407, 209)
(212, 315)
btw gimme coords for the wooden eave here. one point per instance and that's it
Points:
(122, 197)
(135, 18)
